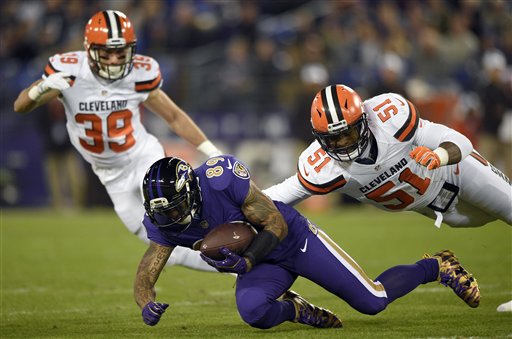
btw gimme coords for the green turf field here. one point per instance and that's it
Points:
(70, 275)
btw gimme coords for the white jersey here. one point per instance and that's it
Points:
(395, 182)
(104, 125)
(103, 117)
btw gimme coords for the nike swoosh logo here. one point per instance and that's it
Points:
(305, 171)
(304, 249)
(403, 104)
(229, 166)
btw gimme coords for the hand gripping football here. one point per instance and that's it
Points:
(237, 236)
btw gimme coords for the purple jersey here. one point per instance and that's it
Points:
(224, 182)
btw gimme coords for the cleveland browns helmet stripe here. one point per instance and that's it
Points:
(327, 108)
(406, 132)
(113, 24)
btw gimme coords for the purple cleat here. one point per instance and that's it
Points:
(309, 314)
(452, 274)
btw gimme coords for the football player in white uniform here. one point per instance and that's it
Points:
(101, 89)
(381, 152)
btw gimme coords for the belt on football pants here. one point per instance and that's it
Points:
(443, 201)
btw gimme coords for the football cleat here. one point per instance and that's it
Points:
(309, 314)
(452, 274)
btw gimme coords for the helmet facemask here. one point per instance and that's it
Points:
(176, 214)
(339, 122)
(172, 196)
(345, 142)
(109, 32)
(98, 54)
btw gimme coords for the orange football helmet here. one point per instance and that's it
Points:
(339, 122)
(110, 32)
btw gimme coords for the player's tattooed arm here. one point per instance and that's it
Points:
(150, 267)
(260, 210)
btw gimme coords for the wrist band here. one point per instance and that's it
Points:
(34, 93)
(443, 155)
(208, 148)
(262, 245)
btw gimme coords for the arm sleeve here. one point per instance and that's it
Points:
(432, 135)
(290, 191)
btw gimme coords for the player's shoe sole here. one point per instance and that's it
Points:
(452, 274)
(309, 314)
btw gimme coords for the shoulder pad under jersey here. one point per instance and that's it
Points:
(67, 62)
(224, 170)
(146, 72)
(318, 172)
(394, 114)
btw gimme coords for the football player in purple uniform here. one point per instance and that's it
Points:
(183, 204)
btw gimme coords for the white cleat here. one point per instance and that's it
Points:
(506, 307)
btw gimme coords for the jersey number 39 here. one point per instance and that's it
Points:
(119, 125)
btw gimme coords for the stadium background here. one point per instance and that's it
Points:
(246, 71)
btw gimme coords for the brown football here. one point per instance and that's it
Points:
(236, 236)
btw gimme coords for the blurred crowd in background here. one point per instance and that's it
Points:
(247, 70)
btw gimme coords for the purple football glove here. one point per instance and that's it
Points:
(152, 312)
(232, 264)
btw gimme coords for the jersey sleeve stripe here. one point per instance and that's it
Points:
(406, 132)
(148, 86)
(49, 69)
(480, 158)
(322, 189)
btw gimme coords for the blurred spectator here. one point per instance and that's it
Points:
(247, 56)
(235, 78)
(496, 99)
(459, 48)
(391, 69)
(313, 77)
(64, 168)
(428, 65)
(267, 76)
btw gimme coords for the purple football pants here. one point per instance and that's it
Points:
(326, 264)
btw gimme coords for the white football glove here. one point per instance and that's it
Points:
(59, 81)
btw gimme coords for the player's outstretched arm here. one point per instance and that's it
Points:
(149, 270)
(439, 145)
(41, 91)
(179, 121)
(290, 191)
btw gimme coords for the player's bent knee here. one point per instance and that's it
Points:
(370, 308)
(253, 308)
